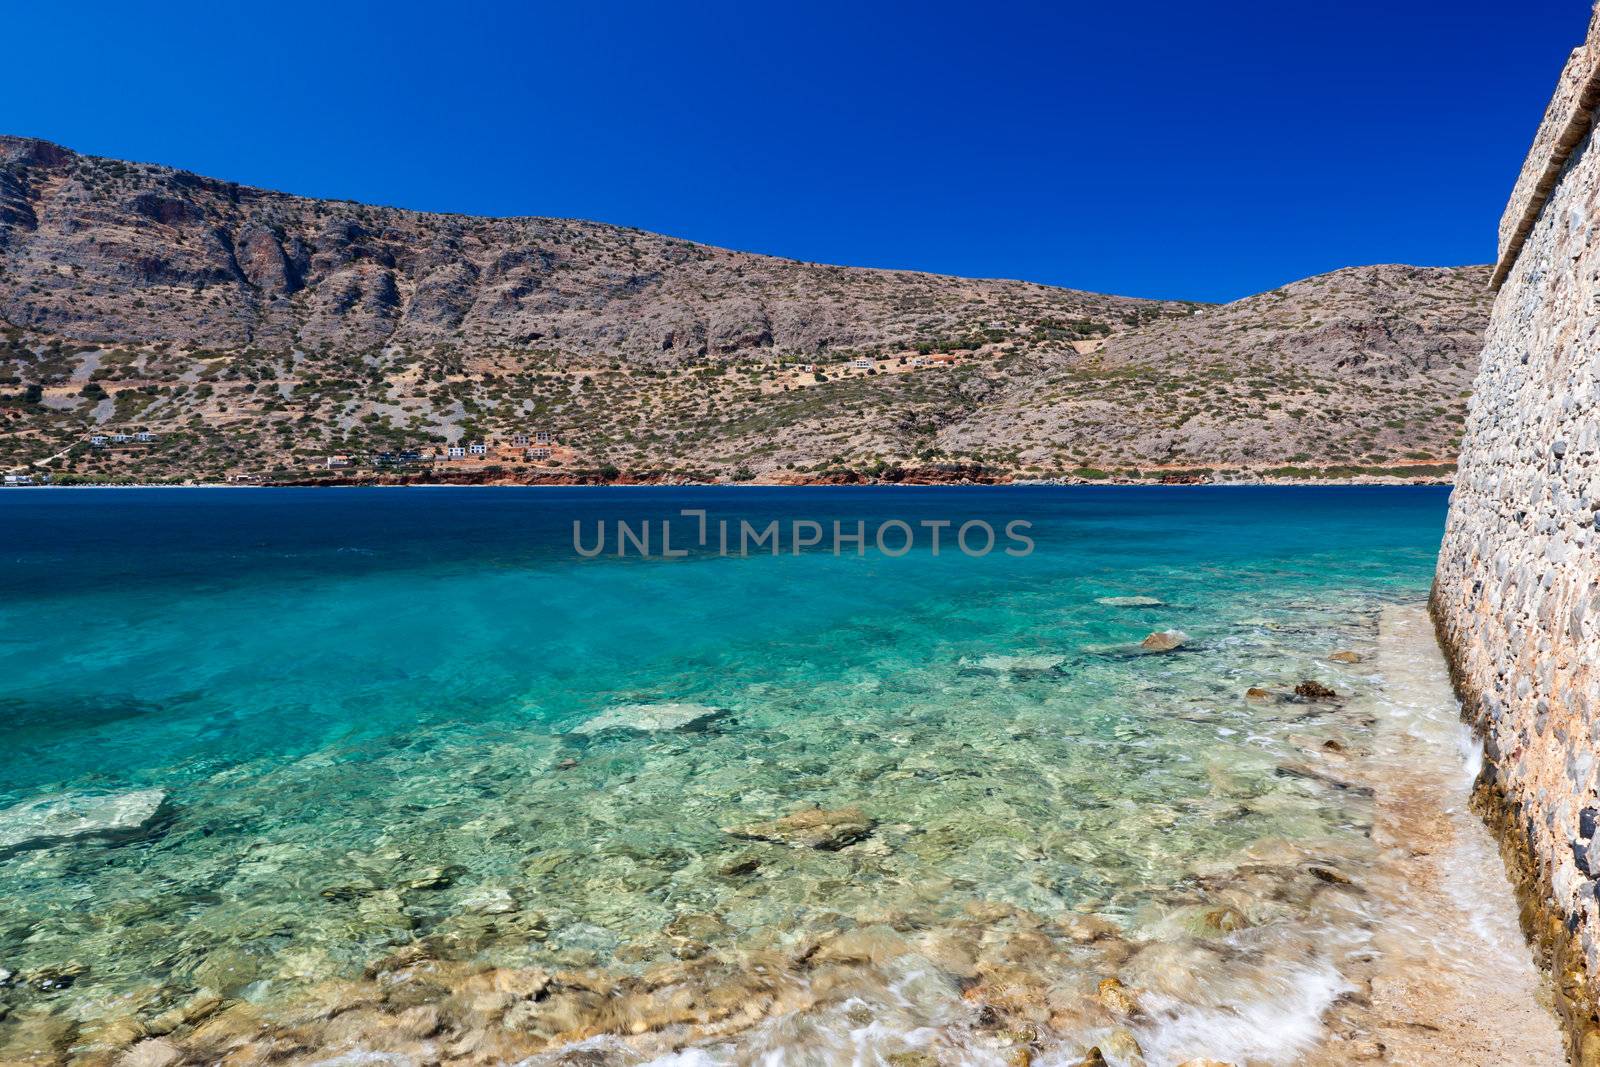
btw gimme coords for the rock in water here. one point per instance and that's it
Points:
(1345, 656)
(1130, 601)
(1310, 690)
(647, 718)
(1117, 998)
(1164, 641)
(1024, 664)
(828, 830)
(51, 820)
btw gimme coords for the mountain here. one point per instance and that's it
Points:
(1364, 366)
(254, 332)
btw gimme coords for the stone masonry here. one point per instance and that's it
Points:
(1517, 593)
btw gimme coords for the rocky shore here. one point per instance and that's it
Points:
(931, 476)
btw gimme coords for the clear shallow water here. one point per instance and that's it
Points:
(360, 705)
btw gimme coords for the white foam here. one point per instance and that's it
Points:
(1275, 1028)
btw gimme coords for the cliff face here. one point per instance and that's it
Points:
(102, 250)
(1517, 593)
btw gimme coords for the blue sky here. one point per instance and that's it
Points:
(1189, 150)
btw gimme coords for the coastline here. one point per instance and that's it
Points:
(596, 483)
(1452, 979)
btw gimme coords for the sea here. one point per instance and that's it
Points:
(859, 772)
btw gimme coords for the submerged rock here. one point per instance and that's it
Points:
(52, 978)
(154, 1052)
(1024, 663)
(1117, 998)
(647, 718)
(913, 1058)
(819, 828)
(52, 820)
(1312, 774)
(1130, 601)
(1164, 641)
(1310, 690)
(1345, 656)
(1125, 1047)
(490, 900)
(739, 866)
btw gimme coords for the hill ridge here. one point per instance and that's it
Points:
(257, 332)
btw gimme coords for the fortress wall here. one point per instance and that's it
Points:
(1516, 595)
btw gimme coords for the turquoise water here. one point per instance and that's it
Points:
(361, 706)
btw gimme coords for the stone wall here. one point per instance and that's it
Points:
(1517, 593)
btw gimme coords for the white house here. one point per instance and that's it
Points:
(144, 435)
(19, 479)
(538, 453)
(862, 364)
(98, 441)
(455, 452)
(519, 440)
(479, 449)
(541, 437)
(120, 439)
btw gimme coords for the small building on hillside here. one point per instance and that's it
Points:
(336, 462)
(542, 437)
(144, 435)
(519, 440)
(478, 449)
(862, 364)
(97, 441)
(120, 438)
(455, 452)
(538, 452)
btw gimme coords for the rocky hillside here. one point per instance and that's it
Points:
(256, 333)
(1365, 366)
(102, 250)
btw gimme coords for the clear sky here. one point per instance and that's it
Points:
(1199, 150)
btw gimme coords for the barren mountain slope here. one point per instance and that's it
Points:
(101, 250)
(256, 333)
(1368, 365)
